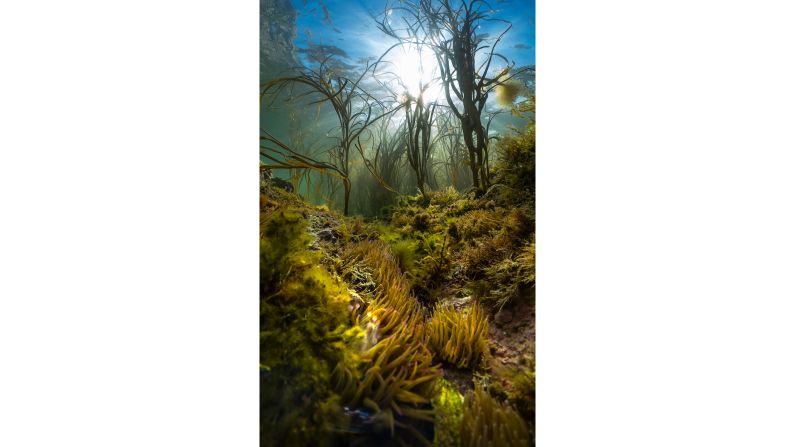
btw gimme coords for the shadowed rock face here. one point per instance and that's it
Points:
(277, 33)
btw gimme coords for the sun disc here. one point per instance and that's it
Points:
(418, 72)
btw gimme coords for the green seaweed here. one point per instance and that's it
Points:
(515, 170)
(449, 406)
(508, 277)
(305, 332)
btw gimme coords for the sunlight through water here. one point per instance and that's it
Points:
(418, 72)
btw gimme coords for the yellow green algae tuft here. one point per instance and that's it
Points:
(449, 406)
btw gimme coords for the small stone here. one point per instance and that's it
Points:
(327, 234)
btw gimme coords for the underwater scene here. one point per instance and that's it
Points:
(397, 223)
